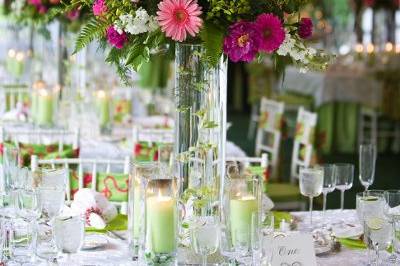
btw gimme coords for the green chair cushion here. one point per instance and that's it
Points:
(284, 192)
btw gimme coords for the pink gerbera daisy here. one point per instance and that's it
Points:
(177, 17)
(272, 32)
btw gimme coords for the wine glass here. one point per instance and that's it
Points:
(311, 182)
(344, 179)
(205, 236)
(392, 211)
(52, 201)
(262, 225)
(367, 157)
(329, 184)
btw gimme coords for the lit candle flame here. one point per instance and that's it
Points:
(101, 94)
(43, 92)
(359, 48)
(389, 47)
(20, 56)
(11, 53)
(370, 48)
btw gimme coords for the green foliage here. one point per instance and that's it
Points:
(212, 37)
(92, 30)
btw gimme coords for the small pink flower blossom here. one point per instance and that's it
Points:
(99, 7)
(305, 28)
(179, 17)
(115, 39)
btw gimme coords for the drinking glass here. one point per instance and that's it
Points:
(29, 205)
(377, 235)
(10, 165)
(311, 181)
(69, 233)
(205, 237)
(392, 212)
(329, 184)
(52, 201)
(262, 225)
(367, 160)
(22, 235)
(369, 202)
(344, 179)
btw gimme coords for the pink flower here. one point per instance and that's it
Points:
(272, 32)
(178, 17)
(73, 14)
(305, 28)
(369, 2)
(243, 41)
(41, 9)
(99, 7)
(115, 39)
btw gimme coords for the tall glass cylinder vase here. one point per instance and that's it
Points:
(200, 124)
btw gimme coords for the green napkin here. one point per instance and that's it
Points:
(352, 243)
(279, 216)
(120, 223)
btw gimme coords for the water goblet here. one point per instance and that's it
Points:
(392, 212)
(344, 179)
(311, 182)
(328, 186)
(370, 201)
(205, 236)
(367, 160)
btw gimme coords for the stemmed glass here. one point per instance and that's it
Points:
(205, 236)
(311, 182)
(392, 211)
(367, 156)
(344, 179)
(52, 201)
(329, 184)
(262, 229)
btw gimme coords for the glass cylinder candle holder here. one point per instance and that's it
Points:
(245, 192)
(159, 244)
(36, 87)
(46, 103)
(140, 173)
(104, 111)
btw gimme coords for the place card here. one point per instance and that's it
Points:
(293, 250)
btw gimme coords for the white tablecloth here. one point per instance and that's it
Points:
(334, 87)
(116, 252)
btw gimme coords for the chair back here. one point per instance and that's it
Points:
(270, 128)
(152, 135)
(81, 164)
(303, 141)
(41, 136)
(11, 95)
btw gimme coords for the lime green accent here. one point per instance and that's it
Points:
(284, 192)
(297, 99)
(352, 243)
(241, 211)
(119, 223)
(103, 105)
(105, 185)
(155, 73)
(45, 109)
(279, 216)
(161, 224)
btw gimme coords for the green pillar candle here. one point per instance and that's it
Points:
(103, 106)
(45, 101)
(161, 221)
(241, 210)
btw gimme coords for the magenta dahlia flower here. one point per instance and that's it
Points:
(35, 2)
(99, 7)
(179, 17)
(272, 32)
(73, 14)
(243, 41)
(115, 39)
(305, 28)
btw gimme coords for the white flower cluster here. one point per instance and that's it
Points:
(17, 6)
(137, 24)
(296, 49)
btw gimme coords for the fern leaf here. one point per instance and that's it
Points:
(92, 30)
(213, 37)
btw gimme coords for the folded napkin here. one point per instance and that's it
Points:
(352, 243)
(119, 223)
(95, 207)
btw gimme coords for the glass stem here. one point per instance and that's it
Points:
(311, 208)
(324, 207)
(341, 200)
(204, 260)
(376, 247)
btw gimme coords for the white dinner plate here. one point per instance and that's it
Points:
(93, 242)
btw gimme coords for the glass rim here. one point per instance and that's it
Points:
(391, 191)
(53, 171)
(343, 165)
(362, 193)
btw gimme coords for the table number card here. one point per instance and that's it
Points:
(294, 250)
